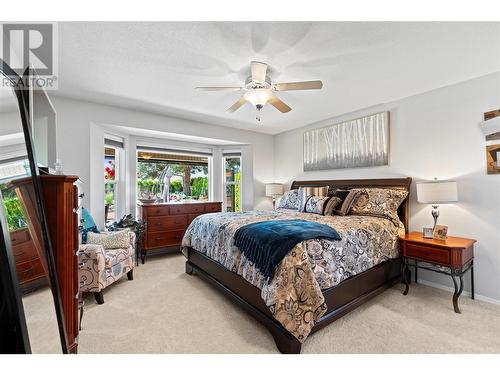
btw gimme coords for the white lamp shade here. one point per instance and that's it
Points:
(274, 189)
(437, 192)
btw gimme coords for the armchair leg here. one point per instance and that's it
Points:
(130, 274)
(99, 298)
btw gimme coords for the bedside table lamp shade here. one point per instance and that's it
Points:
(273, 190)
(436, 193)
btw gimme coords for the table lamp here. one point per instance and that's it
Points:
(273, 190)
(436, 193)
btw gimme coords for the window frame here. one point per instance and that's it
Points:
(225, 183)
(119, 178)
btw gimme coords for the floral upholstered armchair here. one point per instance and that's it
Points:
(101, 267)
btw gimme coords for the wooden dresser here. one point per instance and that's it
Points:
(61, 202)
(29, 268)
(167, 222)
(60, 196)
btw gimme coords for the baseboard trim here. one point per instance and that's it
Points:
(464, 293)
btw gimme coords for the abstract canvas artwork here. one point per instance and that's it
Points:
(363, 142)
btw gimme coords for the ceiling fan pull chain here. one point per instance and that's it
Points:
(258, 115)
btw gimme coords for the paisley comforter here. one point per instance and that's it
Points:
(294, 295)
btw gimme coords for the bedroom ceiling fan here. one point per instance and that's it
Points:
(259, 90)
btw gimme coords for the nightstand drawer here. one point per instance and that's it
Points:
(427, 253)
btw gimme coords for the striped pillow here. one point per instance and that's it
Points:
(348, 202)
(333, 203)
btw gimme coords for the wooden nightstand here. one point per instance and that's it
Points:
(453, 257)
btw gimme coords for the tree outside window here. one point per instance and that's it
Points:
(189, 181)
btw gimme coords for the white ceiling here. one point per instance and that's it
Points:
(155, 66)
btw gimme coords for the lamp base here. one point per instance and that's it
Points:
(435, 214)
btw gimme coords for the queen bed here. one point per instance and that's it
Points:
(319, 280)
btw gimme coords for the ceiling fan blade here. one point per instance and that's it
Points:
(237, 105)
(279, 105)
(259, 70)
(218, 88)
(306, 85)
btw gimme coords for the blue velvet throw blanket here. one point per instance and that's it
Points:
(266, 243)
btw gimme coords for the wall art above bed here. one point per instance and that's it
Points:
(362, 142)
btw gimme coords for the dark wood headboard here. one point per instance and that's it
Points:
(387, 183)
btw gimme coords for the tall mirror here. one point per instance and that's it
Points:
(30, 248)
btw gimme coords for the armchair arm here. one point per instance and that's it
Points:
(92, 271)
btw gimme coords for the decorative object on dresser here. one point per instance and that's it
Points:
(440, 232)
(452, 257)
(167, 222)
(428, 232)
(362, 142)
(274, 190)
(436, 193)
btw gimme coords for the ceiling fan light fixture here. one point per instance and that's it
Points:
(258, 97)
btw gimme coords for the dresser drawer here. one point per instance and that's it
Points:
(213, 207)
(428, 253)
(24, 251)
(164, 239)
(30, 270)
(19, 236)
(157, 211)
(186, 209)
(163, 223)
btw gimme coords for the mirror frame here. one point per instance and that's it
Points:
(22, 91)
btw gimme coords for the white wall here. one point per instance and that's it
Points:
(76, 139)
(435, 134)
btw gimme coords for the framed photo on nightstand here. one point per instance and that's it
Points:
(441, 232)
(428, 233)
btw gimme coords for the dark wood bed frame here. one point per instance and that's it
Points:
(340, 299)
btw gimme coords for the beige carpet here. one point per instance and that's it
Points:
(165, 310)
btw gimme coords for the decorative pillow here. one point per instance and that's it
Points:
(289, 200)
(331, 205)
(341, 193)
(87, 224)
(347, 202)
(307, 191)
(110, 240)
(316, 205)
(379, 202)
